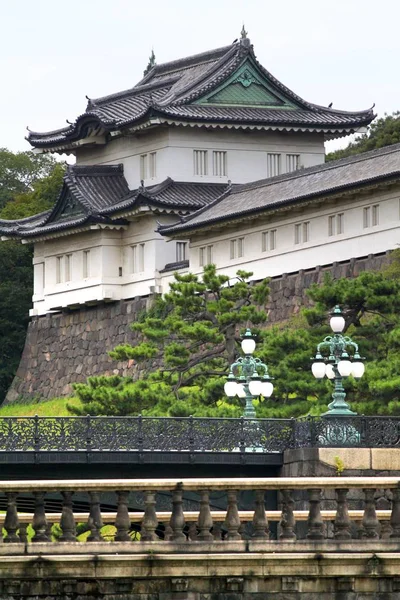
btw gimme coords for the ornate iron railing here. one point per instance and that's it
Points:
(193, 435)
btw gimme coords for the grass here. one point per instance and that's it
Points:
(51, 408)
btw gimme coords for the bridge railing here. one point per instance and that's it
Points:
(351, 502)
(192, 434)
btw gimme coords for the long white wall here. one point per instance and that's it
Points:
(246, 154)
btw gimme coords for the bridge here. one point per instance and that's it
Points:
(339, 547)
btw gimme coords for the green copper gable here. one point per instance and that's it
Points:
(69, 208)
(247, 87)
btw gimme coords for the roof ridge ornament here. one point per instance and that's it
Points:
(243, 33)
(151, 63)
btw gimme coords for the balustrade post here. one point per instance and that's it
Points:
(315, 523)
(260, 523)
(177, 520)
(370, 521)
(395, 516)
(149, 521)
(232, 520)
(11, 522)
(205, 521)
(95, 520)
(39, 522)
(287, 519)
(122, 521)
(217, 531)
(342, 519)
(67, 522)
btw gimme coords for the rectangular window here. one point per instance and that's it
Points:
(68, 267)
(273, 165)
(340, 223)
(375, 215)
(137, 258)
(272, 239)
(233, 249)
(205, 255)
(152, 164)
(200, 162)
(306, 231)
(297, 233)
(181, 251)
(237, 248)
(219, 164)
(292, 162)
(143, 167)
(59, 269)
(332, 225)
(86, 264)
(302, 232)
(367, 217)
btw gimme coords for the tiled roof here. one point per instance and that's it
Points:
(171, 89)
(91, 194)
(314, 182)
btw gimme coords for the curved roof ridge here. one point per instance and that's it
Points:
(187, 61)
(109, 170)
(135, 90)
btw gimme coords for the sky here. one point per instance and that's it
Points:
(53, 52)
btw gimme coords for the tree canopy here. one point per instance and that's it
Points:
(382, 132)
(29, 184)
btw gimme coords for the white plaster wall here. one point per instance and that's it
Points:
(321, 249)
(174, 147)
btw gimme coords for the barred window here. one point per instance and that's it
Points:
(200, 162)
(302, 232)
(143, 166)
(219, 163)
(59, 269)
(181, 251)
(205, 255)
(292, 162)
(68, 267)
(336, 224)
(152, 164)
(86, 264)
(237, 248)
(273, 164)
(138, 258)
(268, 240)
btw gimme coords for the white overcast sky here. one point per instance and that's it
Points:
(53, 52)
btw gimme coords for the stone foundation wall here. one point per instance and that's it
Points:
(69, 347)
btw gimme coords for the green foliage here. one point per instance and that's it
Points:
(29, 184)
(20, 172)
(382, 132)
(186, 343)
(57, 407)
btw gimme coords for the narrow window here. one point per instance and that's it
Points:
(366, 217)
(273, 164)
(272, 239)
(59, 269)
(219, 163)
(86, 264)
(202, 256)
(134, 259)
(292, 162)
(209, 254)
(233, 249)
(152, 165)
(375, 214)
(181, 251)
(141, 257)
(331, 225)
(143, 166)
(200, 161)
(340, 223)
(264, 241)
(68, 265)
(44, 275)
(297, 233)
(240, 247)
(306, 231)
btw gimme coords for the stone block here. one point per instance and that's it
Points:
(351, 459)
(387, 459)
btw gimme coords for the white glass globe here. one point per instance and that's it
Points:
(357, 369)
(330, 373)
(230, 388)
(337, 323)
(255, 387)
(266, 389)
(240, 391)
(318, 370)
(248, 345)
(344, 367)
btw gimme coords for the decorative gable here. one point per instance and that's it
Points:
(247, 87)
(70, 208)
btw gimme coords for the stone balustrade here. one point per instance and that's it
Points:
(353, 500)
